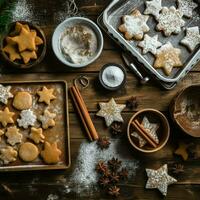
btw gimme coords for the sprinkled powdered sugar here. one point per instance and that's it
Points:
(5, 94)
(153, 7)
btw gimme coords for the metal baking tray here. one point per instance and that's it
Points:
(112, 19)
(58, 133)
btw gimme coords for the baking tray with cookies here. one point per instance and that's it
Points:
(34, 128)
(167, 50)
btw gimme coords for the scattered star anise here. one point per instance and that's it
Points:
(114, 177)
(116, 128)
(114, 191)
(104, 181)
(123, 173)
(101, 167)
(132, 103)
(103, 142)
(107, 173)
(177, 168)
(114, 164)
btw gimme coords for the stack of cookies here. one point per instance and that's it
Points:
(21, 44)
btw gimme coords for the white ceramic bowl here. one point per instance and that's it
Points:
(70, 22)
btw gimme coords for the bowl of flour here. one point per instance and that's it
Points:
(77, 42)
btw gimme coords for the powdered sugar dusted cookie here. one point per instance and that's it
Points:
(8, 154)
(13, 135)
(150, 44)
(134, 25)
(5, 94)
(170, 21)
(168, 57)
(192, 38)
(28, 118)
(187, 7)
(153, 7)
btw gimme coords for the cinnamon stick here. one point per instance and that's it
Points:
(81, 115)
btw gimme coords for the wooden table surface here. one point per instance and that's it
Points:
(38, 185)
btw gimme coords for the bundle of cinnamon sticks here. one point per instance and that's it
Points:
(83, 113)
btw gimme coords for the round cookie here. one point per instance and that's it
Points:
(22, 101)
(28, 152)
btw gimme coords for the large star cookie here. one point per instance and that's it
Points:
(47, 119)
(192, 38)
(153, 7)
(46, 95)
(111, 112)
(6, 117)
(168, 57)
(150, 44)
(187, 7)
(13, 135)
(134, 25)
(159, 179)
(170, 21)
(5, 94)
(12, 52)
(8, 154)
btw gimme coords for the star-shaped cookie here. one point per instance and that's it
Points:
(134, 25)
(51, 153)
(6, 117)
(111, 112)
(28, 55)
(170, 21)
(5, 94)
(192, 38)
(153, 7)
(13, 135)
(150, 44)
(12, 52)
(187, 7)
(46, 95)
(37, 135)
(182, 150)
(168, 57)
(47, 119)
(8, 154)
(159, 179)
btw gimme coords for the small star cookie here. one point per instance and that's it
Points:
(192, 38)
(51, 153)
(13, 135)
(47, 119)
(37, 135)
(18, 28)
(1, 134)
(12, 52)
(5, 94)
(22, 100)
(170, 21)
(46, 95)
(182, 150)
(111, 112)
(168, 57)
(187, 7)
(8, 154)
(134, 25)
(6, 117)
(28, 118)
(150, 44)
(153, 7)
(28, 55)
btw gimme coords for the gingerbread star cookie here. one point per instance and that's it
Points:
(13, 54)
(187, 7)
(28, 152)
(51, 153)
(150, 44)
(134, 25)
(170, 21)
(25, 40)
(153, 7)
(28, 118)
(6, 117)
(47, 119)
(18, 28)
(28, 55)
(168, 57)
(37, 135)
(13, 135)
(192, 38)
(5, 94)
(46, 95)
(8, 154)
(22, 100)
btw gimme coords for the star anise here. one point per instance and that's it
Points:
(101, 167)
(103, 142)
(114, 164)
(116, 128)
(123, 173)
(104, 181)
(114, 177)
(114, 191)
(132, 103)
(107, 173)
(177, 168)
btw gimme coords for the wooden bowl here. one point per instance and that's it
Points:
(40, 52)
(185, 110)
(163, 132)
